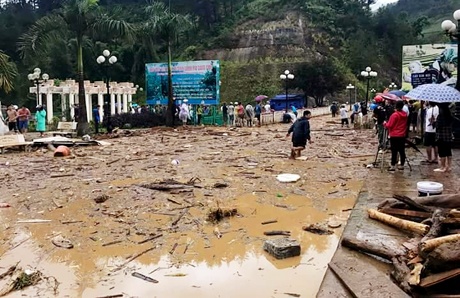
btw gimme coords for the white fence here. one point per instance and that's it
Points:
(276, 117)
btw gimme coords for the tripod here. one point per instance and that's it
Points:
(383, 148)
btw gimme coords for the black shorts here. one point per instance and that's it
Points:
(444, 148)
(299, 143)
(258, 117)
(12, 126)
(429, 139)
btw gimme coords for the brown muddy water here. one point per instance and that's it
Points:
(188, 260)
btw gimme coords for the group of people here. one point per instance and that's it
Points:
(236, 114)
(17, 120)
(393, 123)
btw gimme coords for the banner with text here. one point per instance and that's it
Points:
(429, 64)
(196, 81)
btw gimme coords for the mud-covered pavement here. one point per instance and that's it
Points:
(185, 256)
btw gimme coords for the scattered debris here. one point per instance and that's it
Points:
(317, 229)
(34, 221)
(220, 185)
(282, 248)
(269, 222)
(60, 241)
(21, 279)
(144, 277)
(150, 239)
(216, 215)
(292, 294)
(217, 233)
(274, 233)
(62, 151)
(112, 243)
(101, 199)
(177, 275)
(334, 224)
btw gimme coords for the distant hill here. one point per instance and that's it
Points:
(435, 10)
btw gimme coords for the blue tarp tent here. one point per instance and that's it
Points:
(278, 103)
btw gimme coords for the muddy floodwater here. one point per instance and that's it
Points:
(165, 235)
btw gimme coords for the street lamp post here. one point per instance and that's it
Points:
(37, 80)
(350, 89)
(368, 74)
(453, 31)
(101, 60)
(286, 76)
(393, 86)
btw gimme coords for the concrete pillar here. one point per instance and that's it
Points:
(100, 103)
(125, 103)
(71, 104)
(88, 103)
(130, 100)
(49, 107)
(119, 103)
(112, 104)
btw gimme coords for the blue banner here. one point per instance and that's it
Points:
(196, 81)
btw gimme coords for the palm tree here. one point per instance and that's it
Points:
(76, 19)
(8, 72)
(167, 26)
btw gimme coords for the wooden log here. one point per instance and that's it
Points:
(444, 257)
(373, 248)
(406, 214)
(436, 225)
(431, 244)
(398, 223)
(274, 233)
(408, 201)
(401, 273)
(439, 277)
(179, 217)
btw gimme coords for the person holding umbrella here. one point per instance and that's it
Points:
(396, 126)
(444, 137)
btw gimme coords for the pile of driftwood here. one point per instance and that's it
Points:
(428, 264)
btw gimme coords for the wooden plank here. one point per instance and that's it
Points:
(406, 213)
(439, 277)
(365, 282)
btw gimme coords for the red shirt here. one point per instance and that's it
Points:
(397, 124)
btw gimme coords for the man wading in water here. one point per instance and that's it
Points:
(300, 134)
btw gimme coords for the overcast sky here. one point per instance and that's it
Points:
(380, 3)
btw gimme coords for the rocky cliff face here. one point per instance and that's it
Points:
(289, 37)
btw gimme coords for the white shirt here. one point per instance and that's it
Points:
(343, 113)
(406, 109)
(230, 110)
(267, 108)
(431, 115)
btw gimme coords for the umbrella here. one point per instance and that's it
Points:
(398, 93)
(435, 93)
(390, 96)
(261, 97)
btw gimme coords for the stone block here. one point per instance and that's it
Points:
(282, 248)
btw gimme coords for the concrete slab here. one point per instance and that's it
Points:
(379, 186)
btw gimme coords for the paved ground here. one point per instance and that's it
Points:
(377, 187)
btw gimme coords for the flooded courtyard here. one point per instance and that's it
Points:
(165, 236)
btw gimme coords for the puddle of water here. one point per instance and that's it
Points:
(212, 266)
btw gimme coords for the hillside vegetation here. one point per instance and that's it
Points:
(326, 43)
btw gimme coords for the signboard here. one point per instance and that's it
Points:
(196, 81)
(429, 64)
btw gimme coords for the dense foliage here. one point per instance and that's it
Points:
(342, 38)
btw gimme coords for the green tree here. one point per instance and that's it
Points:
(168, 27)
(76, 19)
(319, 78)
(8, 73)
